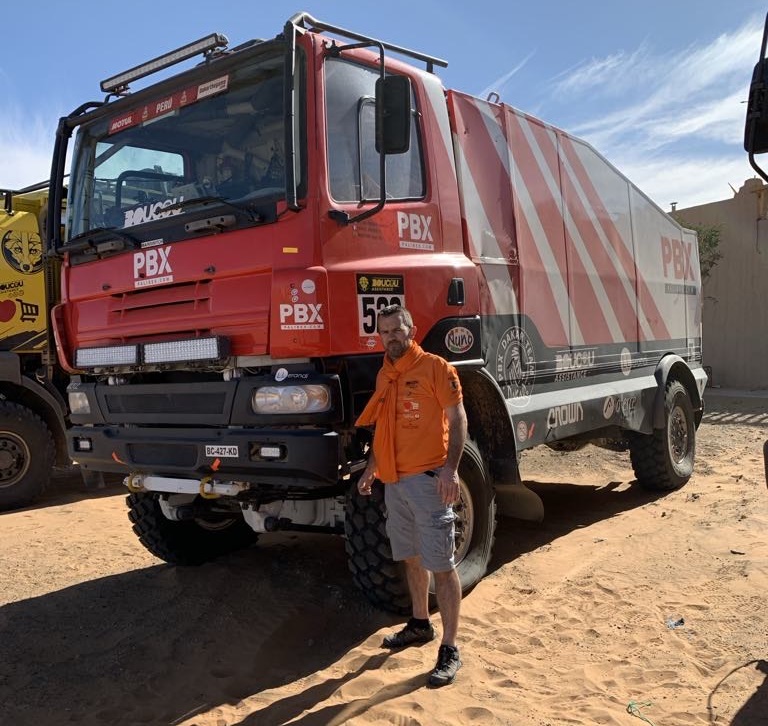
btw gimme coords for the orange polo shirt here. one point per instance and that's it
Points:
(421, 427)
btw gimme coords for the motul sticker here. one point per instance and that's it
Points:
(222, 452)
(376, 291)
(459, 340)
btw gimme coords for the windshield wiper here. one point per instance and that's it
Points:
(93, 237)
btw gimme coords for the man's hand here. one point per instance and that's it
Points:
(365, 482)
(448, 486)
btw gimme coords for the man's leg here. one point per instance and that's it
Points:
(448, 592)
(418, 629)
(418, 586)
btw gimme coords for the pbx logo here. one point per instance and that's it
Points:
(301, 316)
(676, 258)
(413, 230)
(152, 267)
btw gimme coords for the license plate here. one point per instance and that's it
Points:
(223, 452)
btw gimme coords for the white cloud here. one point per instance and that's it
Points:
(500, 82)
(684, 180)
(603, 75)
(27, 146)
(676, 128)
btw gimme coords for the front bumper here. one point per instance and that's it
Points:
(277, 457)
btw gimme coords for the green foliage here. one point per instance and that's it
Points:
(709, 242)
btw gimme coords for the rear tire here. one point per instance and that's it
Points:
(185, 543)
(369, 554)
(26, 455)
(663, 460)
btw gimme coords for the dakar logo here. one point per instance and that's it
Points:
(516, 365)
(23, 251)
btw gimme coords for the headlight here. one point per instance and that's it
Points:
(78, 402)
(313, 398)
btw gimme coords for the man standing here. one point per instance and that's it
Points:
(421, 427)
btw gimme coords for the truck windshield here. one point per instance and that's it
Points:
(219, 138)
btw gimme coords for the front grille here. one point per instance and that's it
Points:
(159, 403)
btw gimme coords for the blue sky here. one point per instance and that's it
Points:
(657, 86)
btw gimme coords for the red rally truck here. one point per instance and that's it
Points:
(232, 231)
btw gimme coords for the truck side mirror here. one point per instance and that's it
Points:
(393, 114)
(756, 127)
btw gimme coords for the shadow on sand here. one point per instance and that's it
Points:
(161, 644)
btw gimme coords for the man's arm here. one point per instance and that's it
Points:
(448, 481)
(365, 481)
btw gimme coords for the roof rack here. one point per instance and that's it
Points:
(306, 21)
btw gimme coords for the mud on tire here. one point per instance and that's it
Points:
(369, 554)
(184, 543)
(663, 460)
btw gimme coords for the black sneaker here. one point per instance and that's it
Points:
(411, 634)
(448, 663)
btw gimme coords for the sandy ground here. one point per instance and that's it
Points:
(622, 607)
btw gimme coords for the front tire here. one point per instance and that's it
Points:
(369, 555)
(26, 455)
(185, 543)
(663, 460)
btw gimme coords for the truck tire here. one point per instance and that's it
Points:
(184, 543)
(26, 455)
(369, 555)
(663, 460)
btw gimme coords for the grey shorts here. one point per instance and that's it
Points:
(418, 523)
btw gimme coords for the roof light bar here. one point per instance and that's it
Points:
(120, 81)
(114, 355)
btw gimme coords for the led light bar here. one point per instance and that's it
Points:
(114, 355)
(194, 349)
(120, 81)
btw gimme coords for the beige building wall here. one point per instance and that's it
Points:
(735, 313)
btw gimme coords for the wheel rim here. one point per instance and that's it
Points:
(677, 435)
(464, 512)
(214, 525)
(14, 458)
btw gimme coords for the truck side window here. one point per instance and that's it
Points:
(353, 163)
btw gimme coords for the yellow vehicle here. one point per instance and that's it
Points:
(33, 413)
